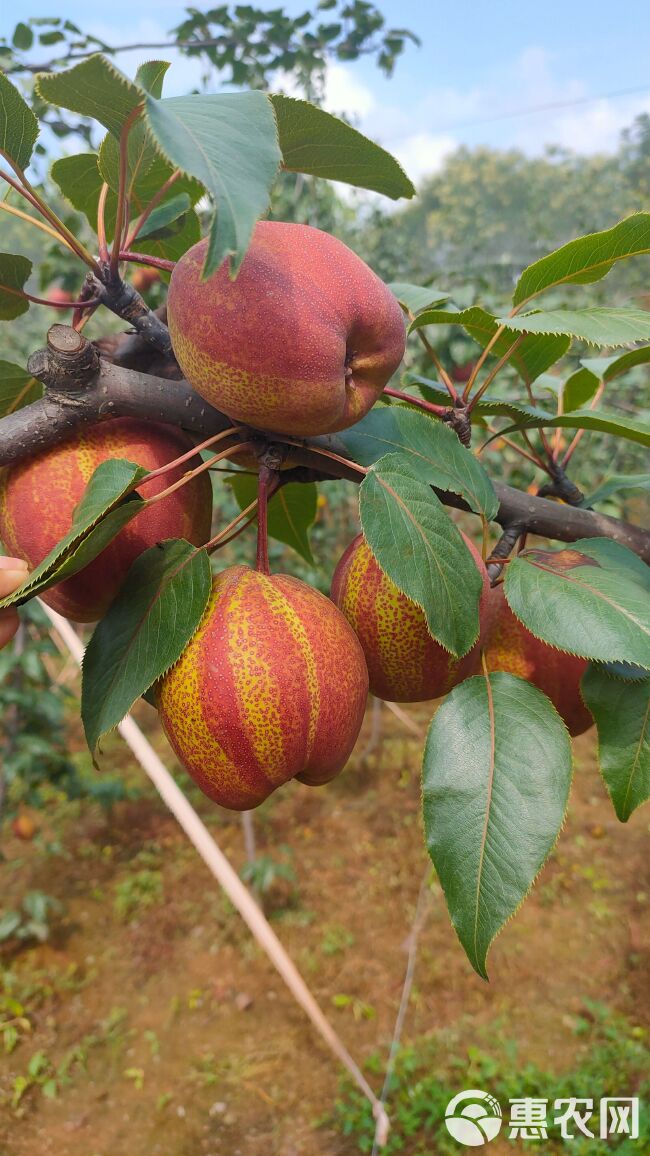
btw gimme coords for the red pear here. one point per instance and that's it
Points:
(302, 342)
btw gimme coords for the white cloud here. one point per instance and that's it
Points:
(344, 92)
(422, 136)
(424, 153)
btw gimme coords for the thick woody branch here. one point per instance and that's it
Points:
(83, 389)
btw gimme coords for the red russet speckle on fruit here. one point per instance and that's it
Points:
(302, 342)
(512, 648)
(39, 495)
(272, 687)
(405, 663)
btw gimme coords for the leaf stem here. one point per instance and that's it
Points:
(146, 259)
(7, 208)
(427, 406)
(494, 371)
(224, 536)
(104, 255)
(205, 445)
(481, 361)
(444, 376)
(148, 210)
(26, 190)
(193, 473)
(121, 212)
(347, 462)
(44, 300)
(578, 436)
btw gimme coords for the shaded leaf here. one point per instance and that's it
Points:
(534, 355)
(433, 451)
(229, 143)
(415, 298)
(610, 367)
(80, 181)
(586, 259)
(432, 391)
(14, 271)
(100, 515)
(93, 88)
(579, 389)
(622, 714)
(633, 429)
(165, 215)
(615, 483)
(496, 778)
(141, 149)
(291, 511)
(421, 550)
(18, 125)
(313, 141)
(599, 325)
(17, 388)
(156, 612)
(587, 599)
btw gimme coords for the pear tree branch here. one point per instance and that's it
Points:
(82, 388)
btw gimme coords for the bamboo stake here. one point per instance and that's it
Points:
(227, 877)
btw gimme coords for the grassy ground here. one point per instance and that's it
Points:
(150, 1022)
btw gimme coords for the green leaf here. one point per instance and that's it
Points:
(151, 76)
(622, 714)
(23, 37)
(165, 215)
(14, 271)
(228, 142)
(534, 355)
(415, 298)
(496, 778)
(432, 391)
(586, 259)
(421, 550)
(80, 181)
(141, 149)
(100, 515)
(610, 367)
(587, 599)
(156, 612)
(433, 450)
(612, 423)
(18, 125)
(614, 484)
(600, 325)
(579, 389)
(176, 240)
(313, 141)
(94, 88)
(291, 512)
(17, 388)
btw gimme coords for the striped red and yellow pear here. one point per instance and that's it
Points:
(272, 687)
(39, 495)
(302, 342)
(405, 663)
(512, 647)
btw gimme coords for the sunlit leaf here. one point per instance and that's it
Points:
(496, 778)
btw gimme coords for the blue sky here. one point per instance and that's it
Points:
(478, 62)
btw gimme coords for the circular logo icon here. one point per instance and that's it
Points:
(473, 1118)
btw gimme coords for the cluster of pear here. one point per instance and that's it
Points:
(274, 683)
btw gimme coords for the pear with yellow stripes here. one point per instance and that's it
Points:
(405, 663)
(38, 497)
(272, 687)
